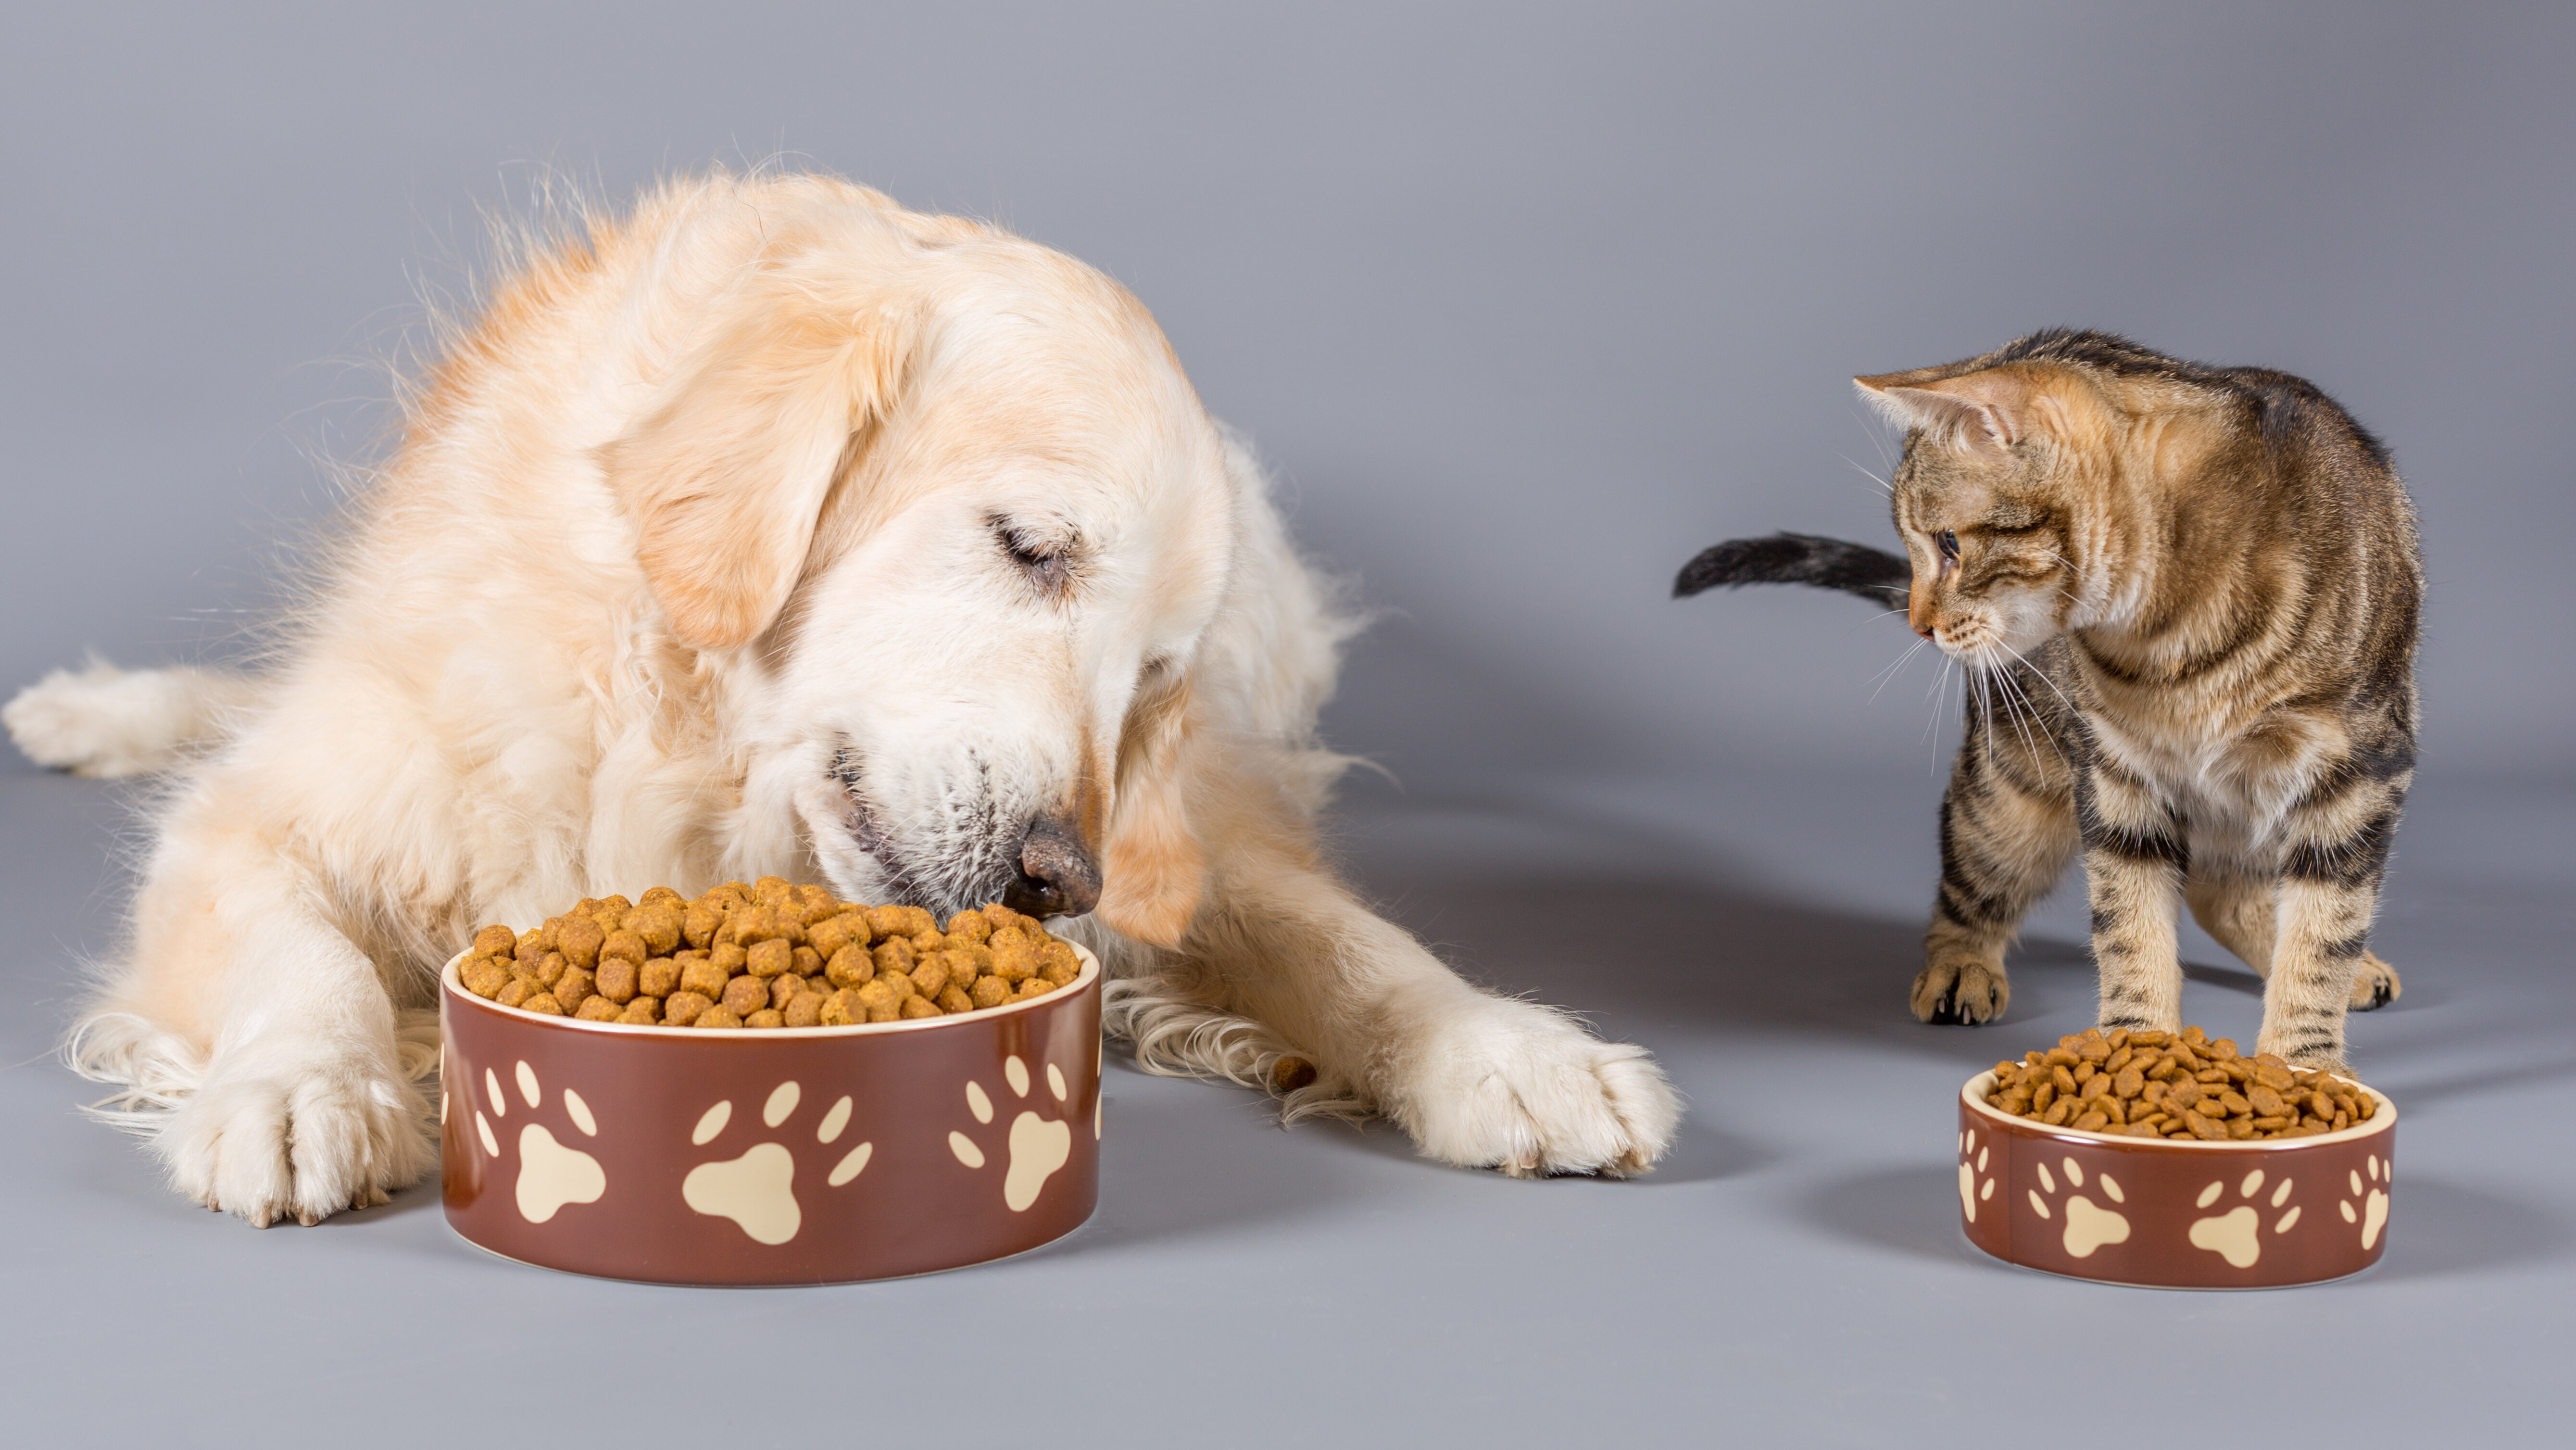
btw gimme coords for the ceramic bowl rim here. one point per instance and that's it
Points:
(1974, 1095)
(452, 985)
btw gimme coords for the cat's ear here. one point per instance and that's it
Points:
(1980, 412)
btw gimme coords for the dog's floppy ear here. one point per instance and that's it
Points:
(1153, 869)
(726, 474)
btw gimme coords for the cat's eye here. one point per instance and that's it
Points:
(1948, 539)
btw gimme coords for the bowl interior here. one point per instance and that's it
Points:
(455, 987)
(1974, 1095)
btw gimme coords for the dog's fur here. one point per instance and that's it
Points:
(775, 529)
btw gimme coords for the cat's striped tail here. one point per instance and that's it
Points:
(1858, 569)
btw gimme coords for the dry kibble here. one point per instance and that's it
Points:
(849, 966)
(832, 933)
(931, 976)
(744, 995)
(704, 978)
(659, 977)
(774, 954)
(616, 980)
(2172, 1085)
(770, 958)
(625, 944)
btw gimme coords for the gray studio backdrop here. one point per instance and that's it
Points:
(1524, 304)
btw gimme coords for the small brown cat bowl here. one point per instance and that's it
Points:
(807, 1155)
(2252, 1215)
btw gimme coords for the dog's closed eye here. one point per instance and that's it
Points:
(1047, 561)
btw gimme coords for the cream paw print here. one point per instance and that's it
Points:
(2237, 1234)
(757, 1190)
(1036, 1147)
(2373, 1213)
(1972, 1161)
(552, 1173)
(2088, 1225)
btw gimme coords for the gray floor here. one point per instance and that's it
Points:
(1794, 1275)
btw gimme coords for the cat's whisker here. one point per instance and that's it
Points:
(2034, 669)
(1888, 674)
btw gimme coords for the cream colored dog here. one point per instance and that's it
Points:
(775, 529)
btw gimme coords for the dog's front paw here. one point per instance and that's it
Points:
(103, 721)
(302, 1145)
(1511, 1086)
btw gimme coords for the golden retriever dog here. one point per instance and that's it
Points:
(774, 529)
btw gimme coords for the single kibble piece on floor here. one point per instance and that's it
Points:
(774, 954)
(2173, 1085)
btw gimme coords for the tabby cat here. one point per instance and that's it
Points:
(2187, 597)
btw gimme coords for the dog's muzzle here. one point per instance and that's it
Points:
(1057, 875)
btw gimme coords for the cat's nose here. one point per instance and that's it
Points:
(1057, 875)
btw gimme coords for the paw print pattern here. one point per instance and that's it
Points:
(2088, 1225)
(2237, 1235)
(551, 1173)
(1971, 1193)
(1037, 1146)
(2373, 1215)
(758, 1189)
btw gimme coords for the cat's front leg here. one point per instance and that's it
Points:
(2007, 831)
(2134, 858)
(2338, 848)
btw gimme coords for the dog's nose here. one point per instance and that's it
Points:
(1057, 876)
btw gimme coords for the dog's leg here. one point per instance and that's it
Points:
(268, 1037)
(1283, 958)
(103, 721)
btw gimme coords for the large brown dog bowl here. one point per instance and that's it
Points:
(813, 1155)
(2250, 1215)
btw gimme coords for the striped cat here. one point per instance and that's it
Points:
(2187, 599)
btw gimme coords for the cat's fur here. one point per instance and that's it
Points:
(2188, 596)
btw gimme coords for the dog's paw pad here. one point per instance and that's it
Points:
(1036, 1146)
(2088, 1225)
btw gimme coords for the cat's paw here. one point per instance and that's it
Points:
(1961, 990)
(2374, 984)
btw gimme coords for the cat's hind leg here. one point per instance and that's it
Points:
(2007, 831)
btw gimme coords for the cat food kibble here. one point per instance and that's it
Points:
(2178, 1085)
(765, 955)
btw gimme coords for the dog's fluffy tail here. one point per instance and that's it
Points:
(104, 721)
(1873, 574)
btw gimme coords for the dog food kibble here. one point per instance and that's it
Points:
(772, 954)
(2173, 1085)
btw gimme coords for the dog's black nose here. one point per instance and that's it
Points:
(1057, 876)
